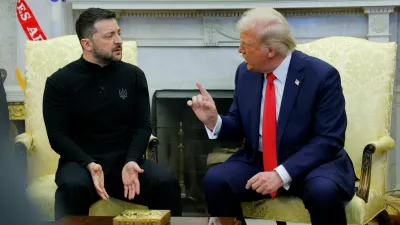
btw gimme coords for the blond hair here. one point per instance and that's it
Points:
(271, 27)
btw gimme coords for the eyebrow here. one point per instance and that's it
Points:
(113, 31)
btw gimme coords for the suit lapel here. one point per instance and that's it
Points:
(292, 86)
(256, 84)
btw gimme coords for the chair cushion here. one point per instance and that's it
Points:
(112, 207)
(42, 189)
(357, 211)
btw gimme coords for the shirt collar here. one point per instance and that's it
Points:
(93, 66)
(282, 70)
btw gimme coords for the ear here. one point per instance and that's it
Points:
(271, 53)
(86, 44)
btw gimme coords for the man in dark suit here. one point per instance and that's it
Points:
(290, 109)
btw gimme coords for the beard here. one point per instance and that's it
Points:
(106, 57)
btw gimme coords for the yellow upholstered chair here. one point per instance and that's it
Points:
(367, 71)
(42, 58)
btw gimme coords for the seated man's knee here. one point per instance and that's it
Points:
(214, 179)
(76, 187)
(75, 180)
(169, 180)
(321, 192)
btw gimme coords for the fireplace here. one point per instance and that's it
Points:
(184, 145)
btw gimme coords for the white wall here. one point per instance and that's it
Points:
(8, 36)
(179, 68)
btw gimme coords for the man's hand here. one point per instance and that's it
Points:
(204, 107)
(130, 179)
(265, 182)
(98, 179)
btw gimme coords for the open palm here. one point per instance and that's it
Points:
(130, 179)
(97, 174)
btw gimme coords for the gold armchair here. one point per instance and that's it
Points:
(367, 70)
(42, 59)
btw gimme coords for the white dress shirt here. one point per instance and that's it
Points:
(281, 73)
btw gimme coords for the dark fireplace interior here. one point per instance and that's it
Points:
(184, 144)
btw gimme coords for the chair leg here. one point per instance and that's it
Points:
(280, 223)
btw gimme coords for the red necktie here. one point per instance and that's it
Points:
(269, 128)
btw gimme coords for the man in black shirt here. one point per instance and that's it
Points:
(97, 115)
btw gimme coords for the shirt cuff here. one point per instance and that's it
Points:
(214, 134)
(282, 172)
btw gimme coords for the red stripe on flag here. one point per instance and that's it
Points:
(28, 22)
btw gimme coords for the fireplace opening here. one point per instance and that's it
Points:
(184, 146)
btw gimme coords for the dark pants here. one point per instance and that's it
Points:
(224, 187)
(159, 189)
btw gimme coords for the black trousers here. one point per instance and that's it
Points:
(159, 189)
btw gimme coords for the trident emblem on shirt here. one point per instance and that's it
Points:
(123, 93)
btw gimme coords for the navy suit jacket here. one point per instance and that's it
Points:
(311, 125)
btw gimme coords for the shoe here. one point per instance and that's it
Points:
(223, 221)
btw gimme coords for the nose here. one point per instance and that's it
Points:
(118, 40)
(240, 49)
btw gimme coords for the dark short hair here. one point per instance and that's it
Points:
(84, 25)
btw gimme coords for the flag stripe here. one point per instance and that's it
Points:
(28, 22)
(20, 78)
(31, 28)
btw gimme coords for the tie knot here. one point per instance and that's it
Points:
(271, 77)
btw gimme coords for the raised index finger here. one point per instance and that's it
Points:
(203, 91)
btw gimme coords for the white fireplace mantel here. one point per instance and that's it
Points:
(217, 29)
(226, 4)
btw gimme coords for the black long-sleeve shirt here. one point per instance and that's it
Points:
(98, 114)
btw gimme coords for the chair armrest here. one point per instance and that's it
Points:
(383, 144)
(23, 143)
(152, 146)
(379, 146)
